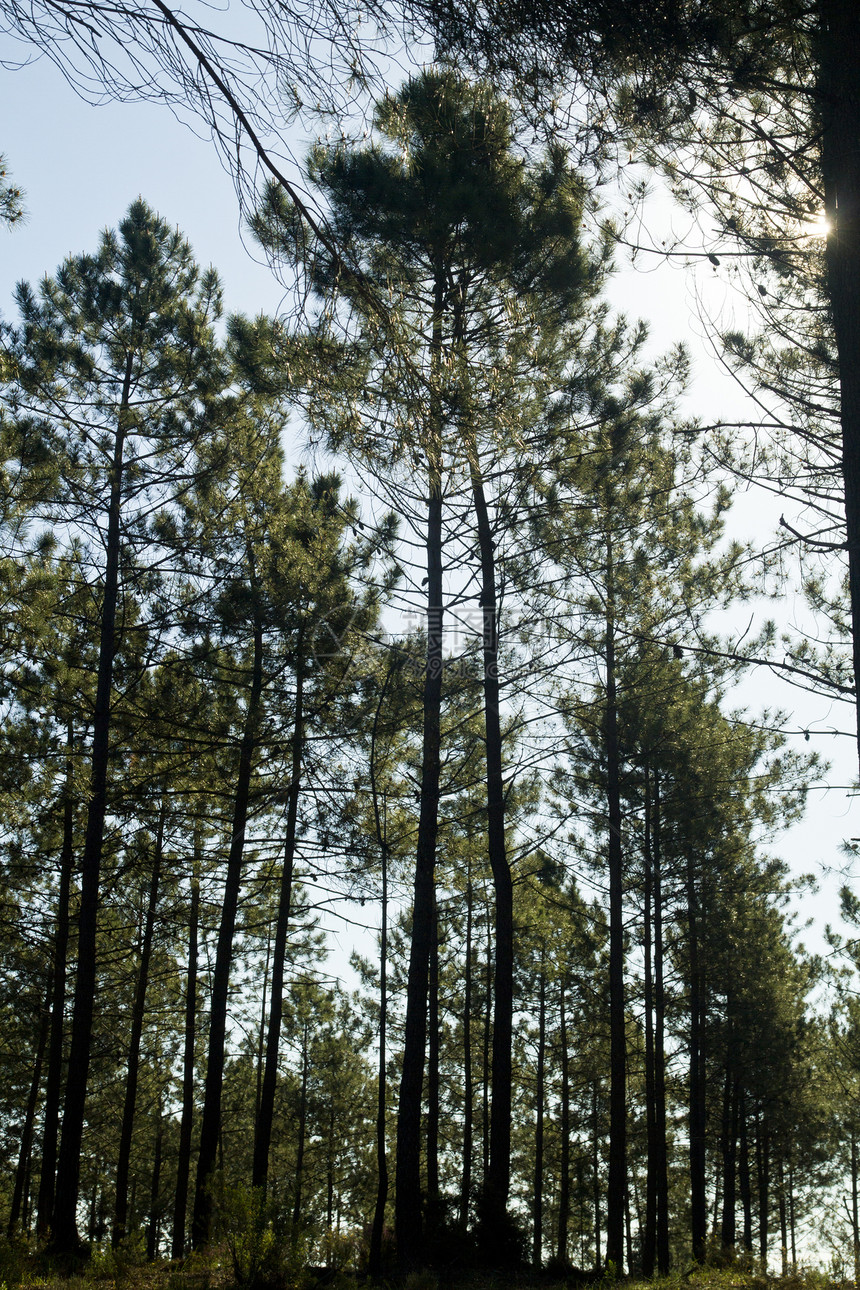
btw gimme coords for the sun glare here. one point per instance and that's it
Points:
(819, 227)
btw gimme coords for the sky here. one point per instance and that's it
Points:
(81, 166)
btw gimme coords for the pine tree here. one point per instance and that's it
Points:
(111, 362)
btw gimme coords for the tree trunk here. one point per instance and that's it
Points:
(791, 1227)
(432, 1213)
(154, 1225)
(595, 1176)
(300, 1145)
(408, 1193)
(211, 1125)
(375, 1258)
(487, 1039)
(839, 53)
(21, 1188)
(762, 1148)
(64, 1227)
(617, 1186)
(261, 1032)
(53, 1081)
(498, 1183)
(697, 1108)
(649, 1234)
(730, 1145)
(564, 1129)
(744, 1184)
(265, 1117)
(783, 1219)
(537, 1191)
(120, 1215)
(662, 1154)
(183, 1164)
(855, 1207)
(468, 1093)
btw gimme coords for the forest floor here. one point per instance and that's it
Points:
(107, 1271)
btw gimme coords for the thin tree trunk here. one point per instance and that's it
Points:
(730, 1151)
(380, 820)
(183, 1164)
(211, 1125)
(662, 1153)
(53, 1081)
(64, 1227)
(783, 1219)
(564, 1129)
(498, 1183)
(432, 1204)
(855, 1207)
(839, 53)
(698, 1189)
(375, 1259)
(595, 1177)
(154, 1224)
(407, 1219)
(791, 1228)
(21, 1188)
(537, 1190)
(617, 1186)
(468, 1093)
(300, 1145)
(649, 1234)
(120, 1215)
(744, 1184)
(261, 1033)
(265, 1118)
(487, 1037)
(763, 1170)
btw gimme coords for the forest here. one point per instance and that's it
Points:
(390, 875)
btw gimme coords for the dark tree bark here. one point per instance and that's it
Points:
(432, 1212)
(762, 1151)
(540, 1077)
(302, 1134)
(485, 1054)
(468, 1089)
(595, 1175)
(791, 1227)
(662, 1153)
(730, 1153)
(783, 1219)
(64, 1228)
(211, 1125)
(153, 1226)
(855, 1207)
(839, 53)
(744, 1183)
(649, 1234)
(183, 1164)
(266, 1113)
(617, 1187)
(20, 1191)
(697, 1090)
(375, 1259)
(138, 1011)
(380, 824)
(564, 1128)
(499, 1179)
(54, 1076)
(261, 1031)
(408, 1227)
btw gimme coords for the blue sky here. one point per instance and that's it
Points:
(81, 166)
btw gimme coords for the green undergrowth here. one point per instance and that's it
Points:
(229, 1268)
